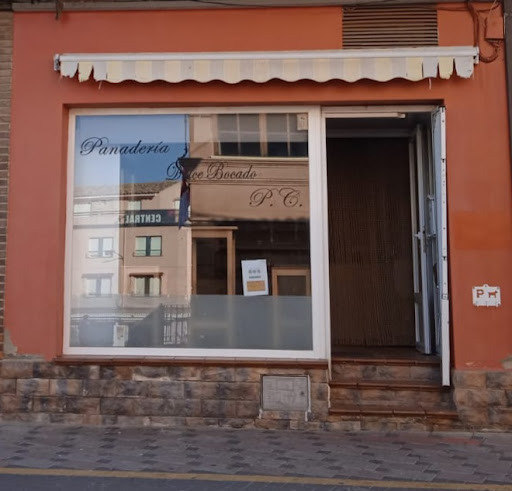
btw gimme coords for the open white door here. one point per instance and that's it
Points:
(419, 177)
(429, 227)
(442, 331)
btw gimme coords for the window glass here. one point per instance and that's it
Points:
(239, 134)
(188, 245)
(278, 135)
(108, 246)
(146, 285)
(140, 246)
(105, 285)
(155, 246)
(139, 285)
(134, 205)
(148, 246)
(94, 247)
(268, 135)
(101, 247)
(154, 285)
(90, 286)
(97, 285)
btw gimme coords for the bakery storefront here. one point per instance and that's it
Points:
(221, 235)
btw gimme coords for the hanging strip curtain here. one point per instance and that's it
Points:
(320, 66)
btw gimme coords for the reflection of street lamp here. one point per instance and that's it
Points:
(116, 256)
(176, 172)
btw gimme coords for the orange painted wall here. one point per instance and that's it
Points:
(479, 177)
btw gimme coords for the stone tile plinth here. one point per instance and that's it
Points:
(169, 394)
(484, 398)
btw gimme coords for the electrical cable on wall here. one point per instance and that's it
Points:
(477, 29)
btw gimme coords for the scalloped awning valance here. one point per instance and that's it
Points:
(320, 66)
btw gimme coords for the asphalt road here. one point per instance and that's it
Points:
(195, 483)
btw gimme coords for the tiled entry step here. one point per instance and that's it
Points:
(393, 392)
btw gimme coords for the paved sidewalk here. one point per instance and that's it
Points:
(480, 458)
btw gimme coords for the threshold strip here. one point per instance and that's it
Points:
(318, 481)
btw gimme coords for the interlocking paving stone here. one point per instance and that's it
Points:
(459, 457)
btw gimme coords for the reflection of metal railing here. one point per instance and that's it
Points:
(175, 323)
(144, 324)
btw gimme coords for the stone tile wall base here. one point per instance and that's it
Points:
(43, 392)
(484, 398)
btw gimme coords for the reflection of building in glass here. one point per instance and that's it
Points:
(249, 172)
(131, 262)
(149, 256)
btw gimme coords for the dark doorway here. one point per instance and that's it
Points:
(211, 267)
(370, 242)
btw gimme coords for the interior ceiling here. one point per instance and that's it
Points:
(338, 126)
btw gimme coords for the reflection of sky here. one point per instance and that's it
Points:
(149, 168)
(95, 169)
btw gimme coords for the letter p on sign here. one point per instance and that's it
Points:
(486, 296)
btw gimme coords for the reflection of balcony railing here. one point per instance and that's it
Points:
(201, 321)
(130, 321)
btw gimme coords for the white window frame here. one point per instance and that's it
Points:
(101, 251)
(147, 277)
(239, 138)
(263, 139)
(134, 205)
(318, 243)
(146, 237)
(98, 280)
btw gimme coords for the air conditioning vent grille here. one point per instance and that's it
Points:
(389, 27)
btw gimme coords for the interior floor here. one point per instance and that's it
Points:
(381, 353)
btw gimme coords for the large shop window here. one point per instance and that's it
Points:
(189, 231)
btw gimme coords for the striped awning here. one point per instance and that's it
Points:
(320, 66)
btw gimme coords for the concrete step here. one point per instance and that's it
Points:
(389, 392)
(401, 390)
(395, 418)
(387, 369)
(395, 411)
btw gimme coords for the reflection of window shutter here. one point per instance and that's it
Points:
(140, 246)
(90, 286)
(93, 246)
(156, 246)
(154, 286)
(105, 286)
(138, 285)
(387, 27)
(108, 246)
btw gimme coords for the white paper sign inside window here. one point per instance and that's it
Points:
(120, 335)
(486, 296)
(254, 277)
